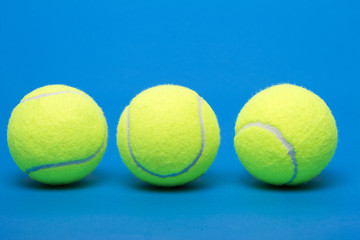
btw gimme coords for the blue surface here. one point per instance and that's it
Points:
(226, 52)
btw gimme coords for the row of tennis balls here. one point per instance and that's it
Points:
(169, 135)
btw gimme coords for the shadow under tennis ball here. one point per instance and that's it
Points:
(23, 181)
(324, 180)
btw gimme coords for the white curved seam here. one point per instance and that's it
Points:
(51, 94)
(289, 147)
(186, 168)
(71, 162)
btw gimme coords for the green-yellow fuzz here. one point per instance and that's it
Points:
(285, 135)
(168, 135)
(57, 134)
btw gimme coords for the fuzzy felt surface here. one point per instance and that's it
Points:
(57, 134)
(304, 120)
(174, 135)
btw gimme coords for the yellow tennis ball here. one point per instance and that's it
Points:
(285, 135)
(57, 134)
(168, 135)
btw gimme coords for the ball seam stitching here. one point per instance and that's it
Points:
(186, 168)
(62, 164)
(51, 94)
(52, 165)
(289, 147)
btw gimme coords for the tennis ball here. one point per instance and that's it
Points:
(168, 135)
(57, 134)
(285, 135)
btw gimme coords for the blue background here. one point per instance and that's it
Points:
(226, 51)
